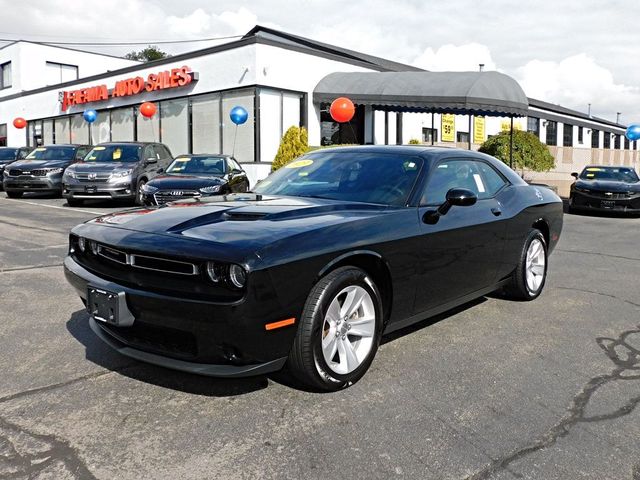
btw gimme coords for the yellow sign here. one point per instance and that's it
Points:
(505, 126)
(448, 127)
(478, 130)
(299, 164)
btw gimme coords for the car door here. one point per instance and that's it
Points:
(459, 254)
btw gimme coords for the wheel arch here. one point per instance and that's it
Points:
(542, 225)
(375, 265)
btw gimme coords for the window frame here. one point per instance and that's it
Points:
(2, 68)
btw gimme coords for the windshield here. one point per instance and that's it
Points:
(114, 153)
(198, 166)
(8, 153)
(627, 175)
(52, 153)
(361, 177)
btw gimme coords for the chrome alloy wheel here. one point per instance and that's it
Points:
(348, 329)
(535, 266)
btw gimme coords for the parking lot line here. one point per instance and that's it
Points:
(66, 209)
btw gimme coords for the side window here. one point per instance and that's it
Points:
(233, 165)
(148, 152)
(162, 152)
(492, 180)
(81, 153)
(478, 177)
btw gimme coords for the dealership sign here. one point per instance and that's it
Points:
(174, 78)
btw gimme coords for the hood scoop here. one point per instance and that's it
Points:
(244, 216)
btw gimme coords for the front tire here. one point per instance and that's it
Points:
(339, 332)
(140, 195)
(529, 277)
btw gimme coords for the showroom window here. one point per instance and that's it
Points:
(62, 130)
(60, 73)
(626, 143)
(101, 128)
(462, 137)
(580, 135)
(533, 126)
(567, 135)
(47, 132)
(174, 125)
(79, 130)
(5, 75)
(429, 135)
(205, 121)
(147, 129)
(238, 140)
(286, 109)
(3, 134)
(607, 140)
(122, 123)
(552, 132)
(616, 142)
(595, 138)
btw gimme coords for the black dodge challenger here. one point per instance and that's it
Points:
(603, 188)
(310, 269)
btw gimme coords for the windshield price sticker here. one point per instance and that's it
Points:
(299, 164)
(98, 148)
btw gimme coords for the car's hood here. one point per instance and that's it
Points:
(95, 167)
(242, 222)
(6, 161)
(608, 185)
(191, 182)
(36, 164)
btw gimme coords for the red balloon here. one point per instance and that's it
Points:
(19, 122)
(342, 110)
(148, 109)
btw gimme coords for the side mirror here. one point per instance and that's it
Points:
(459, 197)
(575, 175)
(160, 170)
(151, 160)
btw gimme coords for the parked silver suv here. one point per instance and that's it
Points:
(115, 170)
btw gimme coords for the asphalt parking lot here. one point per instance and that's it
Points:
(497, 389)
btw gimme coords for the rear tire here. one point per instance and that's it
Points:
(529, 277)
(339, 331)
(74, 202)
(14, 194)
(139, 195)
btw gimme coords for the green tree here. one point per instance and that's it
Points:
(295, 142)
(148, 54)
(528, 151)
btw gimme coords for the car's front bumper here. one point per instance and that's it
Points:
(74, 189)
(182, 334)
(595, 202)
(31, 183)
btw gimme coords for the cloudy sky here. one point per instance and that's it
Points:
(568, 52)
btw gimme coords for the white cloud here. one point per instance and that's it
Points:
(452, 58)
(576, 81)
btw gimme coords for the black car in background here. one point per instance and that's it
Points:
(41, 170)
(604, 188)
(115, 171)
(193, 176)
(315, 264)
(9, 155)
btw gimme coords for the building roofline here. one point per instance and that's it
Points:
(574, 113)
(45, 44)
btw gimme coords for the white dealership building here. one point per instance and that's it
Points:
(282, 80)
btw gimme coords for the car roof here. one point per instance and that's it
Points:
(609, 167)
(137, 144)
(67, 145)
(204, 155)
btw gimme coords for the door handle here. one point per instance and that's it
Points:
(496, 211)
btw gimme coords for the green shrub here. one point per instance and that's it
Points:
(295, 142)
(414, 141)
(528, 151)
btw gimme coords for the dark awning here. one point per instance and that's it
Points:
(479, 93)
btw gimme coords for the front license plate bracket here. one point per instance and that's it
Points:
(607, 204)
(109, 307)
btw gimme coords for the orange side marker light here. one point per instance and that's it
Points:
(280, 324)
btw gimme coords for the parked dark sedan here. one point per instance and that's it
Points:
(192, 176)
(115, 171)
(9, 155)
(41, 170)
(310, 269)
(606, 188)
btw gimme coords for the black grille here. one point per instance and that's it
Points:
(14, 172)
(163, 265)
(112, 254)
(39, 173)
(166, 196)
(610, 195)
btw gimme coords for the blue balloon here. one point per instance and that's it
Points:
(633, 132)
(90, 115)
(238, 115)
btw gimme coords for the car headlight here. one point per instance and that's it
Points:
(146, 188)
(53, 171)
(82, 244)
(120, 174)
(70, 173)
(212, 189)
(233, 275)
